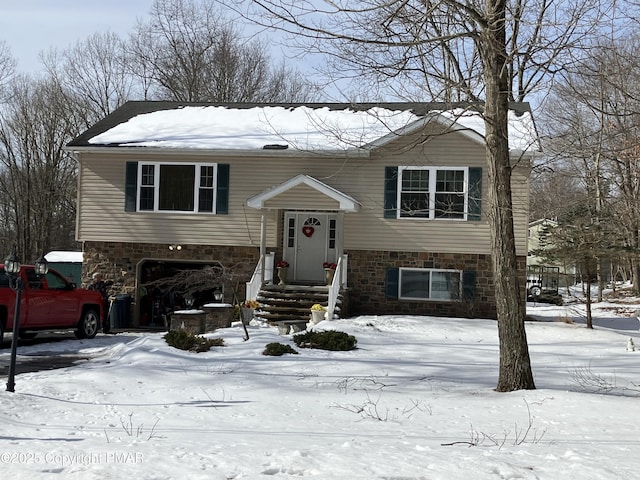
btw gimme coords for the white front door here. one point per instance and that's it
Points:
(310, 239)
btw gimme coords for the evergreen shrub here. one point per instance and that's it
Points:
(277, 349)
(327, 340)
(188, 341)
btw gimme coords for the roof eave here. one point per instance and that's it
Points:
(267, 153)
(523, 153)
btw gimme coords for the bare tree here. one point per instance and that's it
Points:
(622, 127)
(494, 50)
(95, 71)
(579, 240)
(189, 52)
(37, 177)
(593, 128)
(7, 67)
(430, 50)
(39, 116)
(580, 143)
(554, 187)
(191, 282)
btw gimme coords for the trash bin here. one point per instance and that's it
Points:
(120, 314)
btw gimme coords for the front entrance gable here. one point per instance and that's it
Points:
(303, 197)
(313, 222)
(284, 196)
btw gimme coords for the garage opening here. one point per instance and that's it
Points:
(159, 295)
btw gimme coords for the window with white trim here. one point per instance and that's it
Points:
(433, 192)
(429, 284)
(177, 187)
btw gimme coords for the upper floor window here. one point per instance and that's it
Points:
(433, 192)
(176, 187)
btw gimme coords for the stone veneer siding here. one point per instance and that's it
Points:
(366, 274)
(367, 292)
(112, 258)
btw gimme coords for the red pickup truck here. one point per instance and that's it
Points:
(49, 302)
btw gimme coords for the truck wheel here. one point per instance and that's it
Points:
(1, 333)
(27, 335)
(89, 324)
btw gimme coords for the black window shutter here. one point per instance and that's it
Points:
(390, 192)
(130, 186)
(222, 188)
(468, 285)
(475, 194)
(392, 282)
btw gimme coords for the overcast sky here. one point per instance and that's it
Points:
(32, 26)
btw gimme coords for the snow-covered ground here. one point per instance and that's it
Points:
(414, 401)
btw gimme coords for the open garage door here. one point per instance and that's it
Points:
(158, 297)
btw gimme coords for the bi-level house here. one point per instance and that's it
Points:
(393, 194)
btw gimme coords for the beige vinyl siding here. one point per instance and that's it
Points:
(304, 198)
(102, 217)
(370, 230)
(520, 196)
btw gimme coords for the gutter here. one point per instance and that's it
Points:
(266, 153)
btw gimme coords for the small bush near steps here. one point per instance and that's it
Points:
(327, 340)
(194, 343)
(277, 349)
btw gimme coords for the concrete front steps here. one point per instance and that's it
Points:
(291, 302)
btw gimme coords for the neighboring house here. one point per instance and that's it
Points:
(542, 273)
(395, 194)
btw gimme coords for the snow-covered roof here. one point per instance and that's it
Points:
(63, 257)
(215, 127)
(522, 129)
(295, 126)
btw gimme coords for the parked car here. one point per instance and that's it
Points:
(49, 302)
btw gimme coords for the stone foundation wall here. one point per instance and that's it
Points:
(366, 274)
(112, 259)
(367, 292)
(118, 261)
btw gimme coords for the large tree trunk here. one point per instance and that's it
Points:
(635, 264)
(600, 278)
(515, 366)
(635, 276)
(588, 301)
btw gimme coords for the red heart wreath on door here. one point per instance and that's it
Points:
(308, 231)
